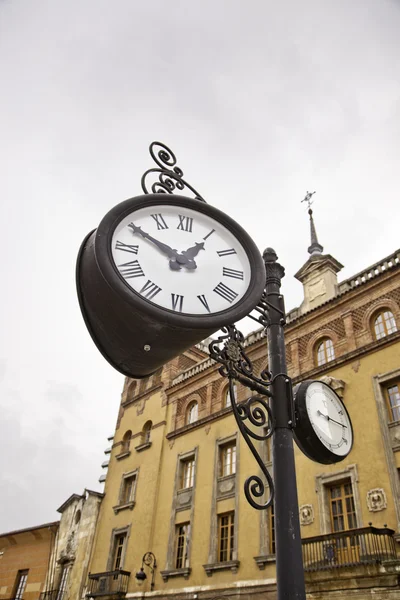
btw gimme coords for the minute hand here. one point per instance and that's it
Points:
(163, 247)
(328, 418)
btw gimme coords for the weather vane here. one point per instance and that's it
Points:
(307, 199)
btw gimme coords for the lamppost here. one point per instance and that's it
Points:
(271, 410)
(150, 561)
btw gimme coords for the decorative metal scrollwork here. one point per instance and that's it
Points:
(170, 176)
(255, 413)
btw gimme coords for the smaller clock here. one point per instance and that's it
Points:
(323, 429)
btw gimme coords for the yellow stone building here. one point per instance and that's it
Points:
(175, 479)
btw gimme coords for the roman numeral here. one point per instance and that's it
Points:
(177, 301)
(159, 219)
(225, 292)
(204, 302)
(150, 289)
(232, 273)
(131, 269)
(185, 223)
(126, 247)
(226, 252)
(208, 234)
(345, 441)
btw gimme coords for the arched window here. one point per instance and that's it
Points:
(192, 413)
(145, 438)
(325, 351)
(126, 440)
(227, 396)
(77, 517)
(384, 324)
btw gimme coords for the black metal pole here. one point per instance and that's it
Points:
(289, 560)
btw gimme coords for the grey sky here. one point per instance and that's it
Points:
(260, 100)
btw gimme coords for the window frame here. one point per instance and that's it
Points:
(227, 467)
(378, 335)
(192, 407)
(323, 484)
(184, 558)
(22, 578)
(230, 537)
(122, 502)
(187, 463)
(392, 410)
(63, 581)
(328, 351)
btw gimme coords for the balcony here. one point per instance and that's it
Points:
(364, 546)
(49, 595)
(113, 584)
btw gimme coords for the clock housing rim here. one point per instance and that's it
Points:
(107, 268)
(304, 433)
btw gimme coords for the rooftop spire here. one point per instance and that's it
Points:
(315, 247)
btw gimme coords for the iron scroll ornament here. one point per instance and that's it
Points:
(170, 176)
(228, 350)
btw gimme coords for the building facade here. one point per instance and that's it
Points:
(177, 467)
(72, 548)
(24, 561)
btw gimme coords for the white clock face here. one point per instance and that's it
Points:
(181, 259)
(329, 418)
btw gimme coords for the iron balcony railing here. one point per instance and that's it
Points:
(110, 583)
(367, 545)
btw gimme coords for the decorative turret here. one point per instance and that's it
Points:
(319, 274)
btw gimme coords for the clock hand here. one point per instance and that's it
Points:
(193, 250)
(328, 418)
(186, 256)
(173, 254)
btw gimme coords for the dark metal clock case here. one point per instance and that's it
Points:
(122, 323)
(304, 434)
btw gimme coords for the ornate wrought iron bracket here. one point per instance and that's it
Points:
(253, 414)
(170, 176)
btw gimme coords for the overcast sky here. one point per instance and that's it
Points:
(260, 100)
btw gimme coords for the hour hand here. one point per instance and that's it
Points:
(170, 252)
(193, 250)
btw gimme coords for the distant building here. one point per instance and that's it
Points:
(68, 565)
(175, 477)
(24, 560)
(50, 562)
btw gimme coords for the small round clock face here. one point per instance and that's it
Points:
(329, 418)
(181, 259)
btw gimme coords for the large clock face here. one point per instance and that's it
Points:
(329, 418)
(181, 259)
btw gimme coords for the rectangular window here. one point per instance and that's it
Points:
(63, 582)
(182, 545)
(20, 584)
(228, 459)
(119, 551)
(187, 473)
(393, 399)
(343, 511)
(128, 487)
(226, 536)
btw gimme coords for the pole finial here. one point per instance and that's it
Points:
(307, 198)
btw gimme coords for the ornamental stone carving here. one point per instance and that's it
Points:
(226, 486)
(376, 500)
(306, 514)
(184, 498)
(336, 384)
